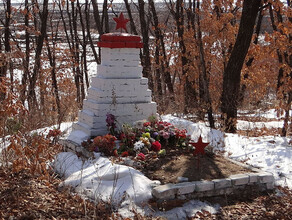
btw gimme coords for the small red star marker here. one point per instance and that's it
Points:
(121, 22)
(200, 146)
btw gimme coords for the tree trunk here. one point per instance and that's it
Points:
(146, 63)
(27, 55)
(98, 25)
(251, 59)
(133, 27)
(283, 57)
(189, 91)
(87, 22)
(7, 41)
(164, 62)
(79, 74)
(158, 87)
(5, 60)
(204, 93)
(104, 19)
(231, 77)
(36, 69)
(84, 46)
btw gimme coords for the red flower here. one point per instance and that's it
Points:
(156, 146)
(122, 136)
(125, 154)
(146, 124)
(141, 156)
(116, 153)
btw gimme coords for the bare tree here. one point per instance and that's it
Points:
(43, 14)
(146, 62)
(133, 27)
(232, 73)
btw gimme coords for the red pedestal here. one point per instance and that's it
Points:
(120, 40)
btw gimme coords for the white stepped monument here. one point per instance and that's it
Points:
(118, 87)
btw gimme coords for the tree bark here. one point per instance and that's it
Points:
(84, 46)
(87, 22)
(32, 101)
(76, 52)
(189, 91)
(146, 62)
(204, 93)
(232, 73)
(104, 19)
(5, 61)
(251, 59)
(133, 27)
(165, 64)
(283, 57)
(157, 74)
(27, 55)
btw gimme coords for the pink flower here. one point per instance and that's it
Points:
(165, 135)
(141, 156)
(156, 146)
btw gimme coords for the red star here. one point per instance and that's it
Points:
(200, 146)
(121, 22)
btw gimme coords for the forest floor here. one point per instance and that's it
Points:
(26, 196)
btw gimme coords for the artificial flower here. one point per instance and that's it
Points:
(162, 152)
(145, 141)
(141, 156)
(115, 153)
(156, 146)
(138, 145)
(146, 124)
(125, 154)
(165, 135)
(155, 134)
(146, 135)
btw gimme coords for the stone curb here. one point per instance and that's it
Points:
(257, 180)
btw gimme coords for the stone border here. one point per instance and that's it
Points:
(234, 184)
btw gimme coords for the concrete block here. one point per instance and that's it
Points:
(253, 177)
(166, 191)
(88, 130)
(265, 177)
(185, 188)
(222, 183)
(118, 92)
(182, 179)
(270, 186)
(143, 81)
(203, 185)
(119, 72)
(223, 191)
(100, 110)
(239, 179)
(119, 83)
(111, 57)
(120, 51)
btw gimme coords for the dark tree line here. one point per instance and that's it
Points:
(177, 56)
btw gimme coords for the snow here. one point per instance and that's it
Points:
(128, 189)
(246, 125)
(100, 179)
(269, 153)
